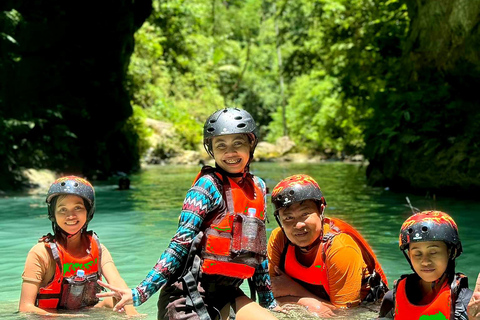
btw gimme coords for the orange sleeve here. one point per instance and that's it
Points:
(276, 243)
(345, 267)
(39, 266)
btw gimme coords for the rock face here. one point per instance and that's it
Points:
(63, 74)
(424, 133)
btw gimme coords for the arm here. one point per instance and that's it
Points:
(345, 267)
(285, 289)
(474, 304)
(38, 267)
(201, 199)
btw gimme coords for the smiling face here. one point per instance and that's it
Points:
(302, 222)
(429, 259)
(70, 213)
(231, 152)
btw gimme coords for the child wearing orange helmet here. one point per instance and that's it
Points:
(430, 242)
(316, 261)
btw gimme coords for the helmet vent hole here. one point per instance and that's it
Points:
(280, 197)
(410, 230)
(424, 229)
(225, 111)
(291, 192)
(213, 121)
(238, 118)
(211, 129)
(75, 185)
(241, 125)
(62, 184)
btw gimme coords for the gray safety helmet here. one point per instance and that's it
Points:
(229, 121)
(71, 185)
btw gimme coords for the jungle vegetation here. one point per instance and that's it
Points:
(394, 80)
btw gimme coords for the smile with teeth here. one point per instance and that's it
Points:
(232, 161)
(71, 223)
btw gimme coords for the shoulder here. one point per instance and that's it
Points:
(39, 256)
(40, 250)
(208, 182)
(278, 237)
(344, 242)
(259, 181)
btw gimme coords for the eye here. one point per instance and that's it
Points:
(220, 146)
(238, 143)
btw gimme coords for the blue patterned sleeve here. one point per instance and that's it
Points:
(202, 198)
(261, 277)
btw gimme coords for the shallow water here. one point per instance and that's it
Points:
(136, 225)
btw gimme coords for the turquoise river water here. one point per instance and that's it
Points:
(136, 225)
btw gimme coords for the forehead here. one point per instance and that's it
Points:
(229, 137)
(299, 207)
(427, 244)
(65, 199)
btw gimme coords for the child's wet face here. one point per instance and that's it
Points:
(231, 152)
(301, 222)
(70, 213)
(429, 259)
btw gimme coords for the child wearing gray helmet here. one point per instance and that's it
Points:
(62, 269)
(221, 238)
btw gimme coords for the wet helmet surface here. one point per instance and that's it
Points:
(430, 226)
(228, 121)
(72, 185)
(296, 188)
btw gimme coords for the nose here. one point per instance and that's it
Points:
(426, 260)
(70, 214)
(300, 225)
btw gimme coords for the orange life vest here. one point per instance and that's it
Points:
(316, 273)
(57, 293)
(404, 309)
(235, 242)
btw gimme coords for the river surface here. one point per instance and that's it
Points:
(136, 225)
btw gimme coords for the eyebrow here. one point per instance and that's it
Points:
(302, 208)
(431, 246)
(63, 205)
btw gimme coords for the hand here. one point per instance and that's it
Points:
(317, 308)
(283, 285)
(123, 296)
(279, 309)
(473, 309)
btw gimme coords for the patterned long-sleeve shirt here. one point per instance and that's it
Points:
(202, 198)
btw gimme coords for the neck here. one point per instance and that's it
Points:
(69, 241)
(430, 289)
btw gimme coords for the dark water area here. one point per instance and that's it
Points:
(136, 225)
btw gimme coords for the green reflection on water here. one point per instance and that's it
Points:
(137, 225)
